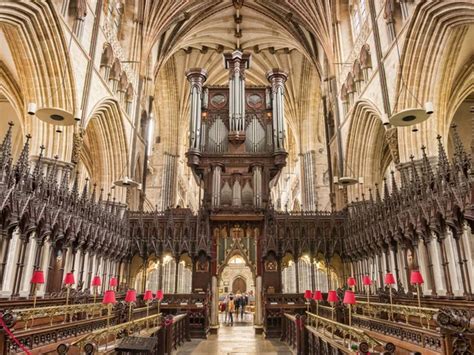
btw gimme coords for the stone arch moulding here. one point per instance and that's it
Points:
(427, 67)
(105, 141)
(365, 143)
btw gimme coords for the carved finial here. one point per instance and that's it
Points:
(378, 199)
(53, 172)
(75, 185)
(101, 196)
(426, 171)
(93, 195)
(414, 171)
(84, 190)
(395, 191)
(22, 165)
(461, 158)
(65, 181)
(6, 147)
(37, 169)
(443, 162)
(386, 193)
(371, 198)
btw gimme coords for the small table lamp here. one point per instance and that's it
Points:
(390, 280)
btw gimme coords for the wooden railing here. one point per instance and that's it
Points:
(347, 339)
(275, 306)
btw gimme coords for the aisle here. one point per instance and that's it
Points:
(237, 340)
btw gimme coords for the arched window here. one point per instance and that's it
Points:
(365, 60)
(359, 13)
(106, 60)
(304, 274)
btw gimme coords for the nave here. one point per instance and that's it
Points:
(308, 162)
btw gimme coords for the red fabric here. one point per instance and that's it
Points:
(12, 337)
(38, 277)
(317, 296)
(159, 295)
(416, 278)
(308, 294)
(131, 296)
(351, 281)
(69, 279)
(389, 279)
(96, 281)
(109, 297)
(349, 297)
(113, 282)
(148, 295)
(332, 296)
(366, 280)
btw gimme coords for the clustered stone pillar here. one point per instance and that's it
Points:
(196, 78)
(277, 79)
(237, 62)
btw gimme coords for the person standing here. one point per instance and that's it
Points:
(237, 306)
(224, 308)
(231, 309)
(243, 303)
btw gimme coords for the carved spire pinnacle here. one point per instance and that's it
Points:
(65, 180)
(99, 201)
(395, 191)
(371, 198)
(378, 199)
(6, 147)
(386, 193)
(39, 163)
(75, 185)
(414, 171)
(461, 158)
(443, 162)
(84, 190)
(53, 172)
(94, 193)
(22, 165)
(426, 170)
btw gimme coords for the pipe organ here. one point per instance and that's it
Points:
(237, 135)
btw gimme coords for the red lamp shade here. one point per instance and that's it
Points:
(113, 282)
(366, 280)
(351, 282)
(131, 296)
(389, 279)
(416, 278)
(349, 298)
(96, 281)
(332, 296)
(148, 295)
(69, 279)
(308, 294)
(109, 297)
(38, 277)
(159, 295)
(317, 296)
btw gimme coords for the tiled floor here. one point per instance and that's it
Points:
(239, 339)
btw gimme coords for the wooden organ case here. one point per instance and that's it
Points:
(237, 151)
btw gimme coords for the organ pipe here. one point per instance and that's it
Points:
(277, 79)
(196, 78)
(237, 62)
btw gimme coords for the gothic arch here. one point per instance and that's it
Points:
(39, 52)
(428, 66)
(105, 150)
(366, 145)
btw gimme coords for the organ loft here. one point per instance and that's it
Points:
(236, 177)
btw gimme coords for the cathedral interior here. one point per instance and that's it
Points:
(236, 177)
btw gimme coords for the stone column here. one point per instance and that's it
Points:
(28, 270)
(277, 79)
(438, 268)
(214, 304)
(420, 251)
(41, 289)
(196, 78)
(258, 320)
